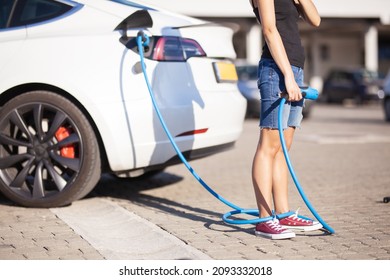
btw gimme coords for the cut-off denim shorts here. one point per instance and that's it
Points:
(271, 84)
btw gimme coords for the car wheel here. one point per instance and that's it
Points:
(387, 109)
(49, 155)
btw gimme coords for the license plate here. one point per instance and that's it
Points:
(225, 72)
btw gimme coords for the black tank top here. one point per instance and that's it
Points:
(287, 17)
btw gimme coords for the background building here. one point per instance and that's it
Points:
(353, 33)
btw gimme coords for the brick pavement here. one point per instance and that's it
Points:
(343, 170)
(340, 155)
(38, 234)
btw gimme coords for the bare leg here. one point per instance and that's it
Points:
(280, 176)
(262, 169)
(270, 173)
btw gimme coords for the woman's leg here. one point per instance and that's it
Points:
(263, 169)
(280, 176)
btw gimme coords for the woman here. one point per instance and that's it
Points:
(280, 70)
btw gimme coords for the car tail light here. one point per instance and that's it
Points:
(168, 48)
(176, 49)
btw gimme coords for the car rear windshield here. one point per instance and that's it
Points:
(132, 4)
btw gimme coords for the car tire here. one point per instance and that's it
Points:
(387, 109)
(49, 154)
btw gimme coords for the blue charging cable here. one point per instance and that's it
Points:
(143, 41)
(312, 94)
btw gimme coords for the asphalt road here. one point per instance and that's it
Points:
(341, 156)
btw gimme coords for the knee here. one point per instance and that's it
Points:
(271, 150)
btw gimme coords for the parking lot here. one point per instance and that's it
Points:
(341, 156)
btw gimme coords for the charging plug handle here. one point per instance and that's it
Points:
(307, 93)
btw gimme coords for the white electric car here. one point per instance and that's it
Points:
(74, 103)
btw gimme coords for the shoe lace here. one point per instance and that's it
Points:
(297, 218)
(274, 224)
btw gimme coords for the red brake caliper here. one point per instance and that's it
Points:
(67, 151)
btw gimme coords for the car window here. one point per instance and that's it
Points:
(341, 77)
(5, 12)
(368, 76)
(35, 11)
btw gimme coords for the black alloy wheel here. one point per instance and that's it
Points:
(49, 154)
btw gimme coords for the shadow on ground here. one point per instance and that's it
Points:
(131, 189)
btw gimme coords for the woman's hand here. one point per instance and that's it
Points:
(293, 90)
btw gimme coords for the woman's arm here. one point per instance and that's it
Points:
(308, 11)
(276, 47)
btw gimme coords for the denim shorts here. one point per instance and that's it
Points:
(271, 84)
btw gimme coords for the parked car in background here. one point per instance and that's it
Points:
(247, 84)
(386, 98)
(358, 85)
(74, 102)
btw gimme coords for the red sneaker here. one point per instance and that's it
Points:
(272, 229)
(299, 223)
